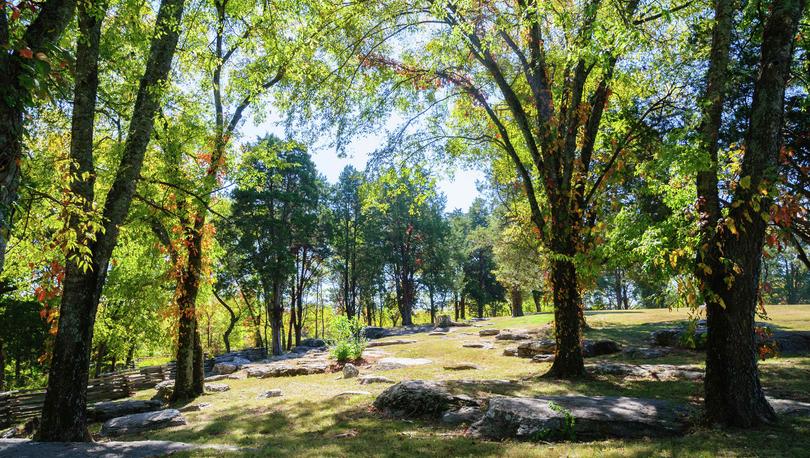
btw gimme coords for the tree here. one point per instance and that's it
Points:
(274, 210)
(346, 205)
(23, 71)
(730, 252)
(63, 415)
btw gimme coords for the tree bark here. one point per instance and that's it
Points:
(517, 301)
(537, 297)
(275, 312)
(63, 414)
(733, 393)
(45, 30)
(568, 361)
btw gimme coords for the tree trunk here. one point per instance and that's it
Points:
(129, 362)
(568, 360)
(408, 296)
(101, 352)
(198, 372)
(537, 297)
(517, 301)
(185, 298)
(432, 306)
(463, 306)
(44, 31)
(276, 315)
(63, 414)
(734, 394)
(2, 367)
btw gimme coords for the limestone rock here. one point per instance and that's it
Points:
(225, 368)
(488, 332)
(287, 369)
(216, 378)
(386, 364)
(464, 415)
(645, 352)
(419, 398)
(350, 371)
(513, 335)
(579, 417)
(274, 393)
(656, 371)
(102, 411)
(216, 387)
(369, 379)
(510, 351)
(790, 407)
(384, 343)
(536, 347)
(438, 333)
(195, 407)
(140, 422)
(543, 358)
(313, 343)
(444, 321)
(165, 389)
(591, 348)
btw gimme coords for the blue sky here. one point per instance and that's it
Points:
(458, 185)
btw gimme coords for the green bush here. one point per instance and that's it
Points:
(349, 342)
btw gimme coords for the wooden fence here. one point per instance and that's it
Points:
(21, 405)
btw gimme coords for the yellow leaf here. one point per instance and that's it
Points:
(745, 182)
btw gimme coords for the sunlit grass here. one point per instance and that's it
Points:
(308, 421)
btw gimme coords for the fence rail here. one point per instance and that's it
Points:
(21, 405)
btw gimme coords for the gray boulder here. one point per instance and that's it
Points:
(463, 416)
(374, 332)
(225, 368)
(488, 332)
(579, 418)
(536, 347)
(655, 371)
(274, 393)
(543, 358)
(165, 389)
(140, 422)
(102, 411)
(313, 343)
(419, 398)
(444, 321)
(645, 352)
(591, 348)
(350, 371)
(239, 361)
(369, 379)
(216, 387)
(512, 335)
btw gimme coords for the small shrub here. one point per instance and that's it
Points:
(349, 342)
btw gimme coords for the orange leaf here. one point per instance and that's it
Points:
(26, 53)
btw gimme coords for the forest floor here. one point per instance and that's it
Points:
(310, 421)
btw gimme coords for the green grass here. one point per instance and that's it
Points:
(309, 422)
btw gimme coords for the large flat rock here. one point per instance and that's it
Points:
(579, 418)
(654, 371)
(386, 364)
(385, 343)
(140, 422)
(419, 398)
(102, 411)
(25, 448)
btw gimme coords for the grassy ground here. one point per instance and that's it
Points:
(308, 421)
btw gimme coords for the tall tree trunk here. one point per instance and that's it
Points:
(432, 306)
(44, 31)
(463, 306)
(101, 352)
(232, 320)
(129, 363)
(517, 301)
(2, 367)
(185, 298)
(275, 313)
(63, 413)
(537, 297)
(733, 393)
(568, 361)
(408, 297)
